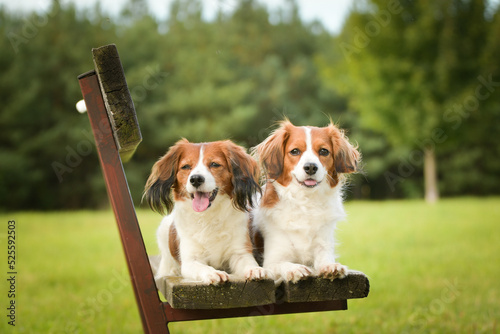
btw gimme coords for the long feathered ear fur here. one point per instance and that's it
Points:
(162, 179)
(271, 152)
(346, 155)
(245, 176)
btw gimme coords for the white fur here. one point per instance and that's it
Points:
(298, 231)
(212, 242)
(309, 157)
(200, 169)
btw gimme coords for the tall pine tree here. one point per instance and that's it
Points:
(408, 70)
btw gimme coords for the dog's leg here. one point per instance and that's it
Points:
(278, 257)
(324, 258)
(195, 267)
(198, 271)
(243, 264)
(168, 266)
(332, 271)
(292, 272)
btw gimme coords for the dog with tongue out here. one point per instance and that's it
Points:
(208, 190)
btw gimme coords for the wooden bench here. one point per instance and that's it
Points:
(117, 135)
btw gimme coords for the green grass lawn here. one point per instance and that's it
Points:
(432, 269)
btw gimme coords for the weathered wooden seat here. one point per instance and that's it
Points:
(185, 294)
(117, 135)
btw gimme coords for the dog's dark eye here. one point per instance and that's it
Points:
(324, 152)
(214, 165)
(295, 151)
(186, 167)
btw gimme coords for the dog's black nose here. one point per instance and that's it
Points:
(196, 180)
(310, 168)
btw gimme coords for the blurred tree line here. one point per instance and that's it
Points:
(425, 75)
(401, 83)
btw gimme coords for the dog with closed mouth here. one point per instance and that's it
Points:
(208, 189)
(295, 220)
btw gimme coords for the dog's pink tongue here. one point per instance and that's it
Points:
(310, 182)
(201, 201)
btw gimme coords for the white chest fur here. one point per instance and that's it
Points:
(303, 220)
(210, 232)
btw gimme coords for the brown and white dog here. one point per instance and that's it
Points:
(302, 200)
(207, 188)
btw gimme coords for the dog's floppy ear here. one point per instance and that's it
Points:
(161, 180)
(245, 176)
(346, 156)
(271, 152)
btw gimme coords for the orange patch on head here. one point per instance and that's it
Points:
(282, 150)
(323, 147)
(189, 155)
(235, 173)
(271, 153)
(216, 160)
(163, 178)
(296, 144)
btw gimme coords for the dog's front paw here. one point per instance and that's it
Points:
(295, 272)
(215, 277)
(332, 271)
(258, 273)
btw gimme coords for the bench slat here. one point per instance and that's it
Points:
(184, 294)
(117, 99)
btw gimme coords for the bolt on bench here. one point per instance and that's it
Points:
(117, 135)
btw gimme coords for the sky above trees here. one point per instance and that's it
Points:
(330, 13)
